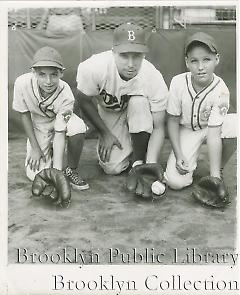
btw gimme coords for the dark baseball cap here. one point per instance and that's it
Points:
(47, 57)
(129, 38)
(203, 38)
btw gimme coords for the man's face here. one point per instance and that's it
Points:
(48, 78)
(128, 64)
(201, 63)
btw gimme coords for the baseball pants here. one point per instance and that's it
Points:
(136, 118)
(191, 142)
(45, 137)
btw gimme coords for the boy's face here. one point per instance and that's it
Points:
(128, 64)
(201, 63)
(48, 78)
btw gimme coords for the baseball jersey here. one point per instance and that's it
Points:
(208, 107)
(98, 76)
(27, 98)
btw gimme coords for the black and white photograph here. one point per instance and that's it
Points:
(122, 142)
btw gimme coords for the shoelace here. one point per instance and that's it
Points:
(75, 177)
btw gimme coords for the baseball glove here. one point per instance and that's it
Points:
(52, 183)
(141, 178)
(212, 192)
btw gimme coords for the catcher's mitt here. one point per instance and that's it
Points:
(141, 178)
(211, 191)
(53, 184)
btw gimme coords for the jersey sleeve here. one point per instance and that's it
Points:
(158, 92)
(174, 99)
(220, 108)
(65, 109)
(19, 104)
(89, 76)
(67, 101)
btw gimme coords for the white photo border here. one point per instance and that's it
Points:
(38, 279)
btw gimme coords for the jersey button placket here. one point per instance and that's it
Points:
(195, 108)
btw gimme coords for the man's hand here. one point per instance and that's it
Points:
(141, 178)
(33, 160)
(106, 143)
(182, 165)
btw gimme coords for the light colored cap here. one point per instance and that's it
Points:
(47, 57)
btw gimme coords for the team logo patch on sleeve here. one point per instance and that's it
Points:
(66, 115)
(205, 114)
(223, 109)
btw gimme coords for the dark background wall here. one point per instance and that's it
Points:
(166, 52)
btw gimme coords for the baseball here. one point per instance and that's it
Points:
(158, 188)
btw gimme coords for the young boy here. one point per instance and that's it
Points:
(45, 103)
(197, 111)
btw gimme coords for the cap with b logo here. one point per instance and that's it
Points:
(129, 38)
(47, 57)
(203, 38)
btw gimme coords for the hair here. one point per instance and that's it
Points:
(194, 44)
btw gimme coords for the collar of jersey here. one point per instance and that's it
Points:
(195, 94)
(49, 98)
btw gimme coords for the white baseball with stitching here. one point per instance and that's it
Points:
(158, 188)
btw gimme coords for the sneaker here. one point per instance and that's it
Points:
(75, 180)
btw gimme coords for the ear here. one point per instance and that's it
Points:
(34, 71)
(217, 59)
(186, 62)
(61, 73)
(115, 54)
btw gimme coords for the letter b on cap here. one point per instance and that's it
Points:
(131, 36)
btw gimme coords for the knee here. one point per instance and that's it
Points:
(230, 126)
(75, 126)
(176, 185)
(114, 168)
(139, 115)
(178, 182)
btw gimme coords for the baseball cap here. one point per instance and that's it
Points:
(203, 38)
(47, 57)
(129, 38)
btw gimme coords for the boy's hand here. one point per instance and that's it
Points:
(34, 159)
(106, 143)
(182, 165)
(52, 184)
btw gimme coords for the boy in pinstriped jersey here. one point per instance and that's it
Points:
(45, 103)
(197, 111)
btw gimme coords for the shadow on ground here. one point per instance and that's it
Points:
(107, 217)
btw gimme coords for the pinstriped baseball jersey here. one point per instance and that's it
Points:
(208, 107)
(98, 76)
(27, 97)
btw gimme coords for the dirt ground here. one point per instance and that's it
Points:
(106, 216)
